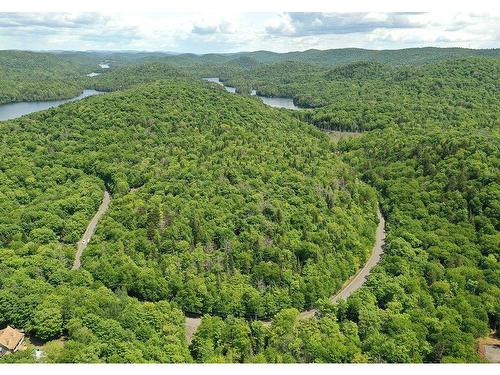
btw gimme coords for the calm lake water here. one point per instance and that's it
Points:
(217, 80)
(276, 102)
(13, 110)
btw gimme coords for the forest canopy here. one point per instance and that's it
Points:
(230, 210)
(220, 205)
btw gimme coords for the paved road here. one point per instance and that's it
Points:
(84, 241)
(351, 285)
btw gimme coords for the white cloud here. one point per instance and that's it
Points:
(303, 24)
(226, 32)
(461, 30)
(282, 25)
(214, 26)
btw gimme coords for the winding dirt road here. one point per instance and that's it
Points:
(84, 241)
(357, 281)
(192, 324)
(351, 285)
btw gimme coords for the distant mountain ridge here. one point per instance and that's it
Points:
(331, 57)
(323, 57)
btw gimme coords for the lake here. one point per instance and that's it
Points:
(10, 111)
(217, 80)
(277, 102)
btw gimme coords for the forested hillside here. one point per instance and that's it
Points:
(342, 56)
(35, 76)
(135, 74)
(441, 196)
(435, 165)
(325, 58)
(31, 76)
(220, 205)
(437, 287)
(237, 212)
(369, 95)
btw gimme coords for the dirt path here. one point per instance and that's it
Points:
(351, 285)
(357, 281)
(191, 326)
(84, 241)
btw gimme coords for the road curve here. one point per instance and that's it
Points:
(84, 241)
(351, 285)
(192, 324)
(357, 281)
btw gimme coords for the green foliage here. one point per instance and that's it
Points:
(32, 76)
(99, 326)
(287, 339)
(435, 287)
(224, 207)
(369, 95)
(47, 322)
(240, 210)
(220, 204)
(135, 74)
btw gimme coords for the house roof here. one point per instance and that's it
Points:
(10, 337)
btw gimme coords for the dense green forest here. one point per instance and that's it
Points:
(135, 74)
(326, 58)
(35, 76)
(436, 170)
(342, 56)
(370, 95)
(32, 76)
(220, 205)
(229, 209)
(437, 287)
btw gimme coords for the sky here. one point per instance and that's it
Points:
(232, 32)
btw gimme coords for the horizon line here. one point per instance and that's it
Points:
(233, 53)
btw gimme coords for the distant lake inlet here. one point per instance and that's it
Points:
(11, 111)
(276, 102)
